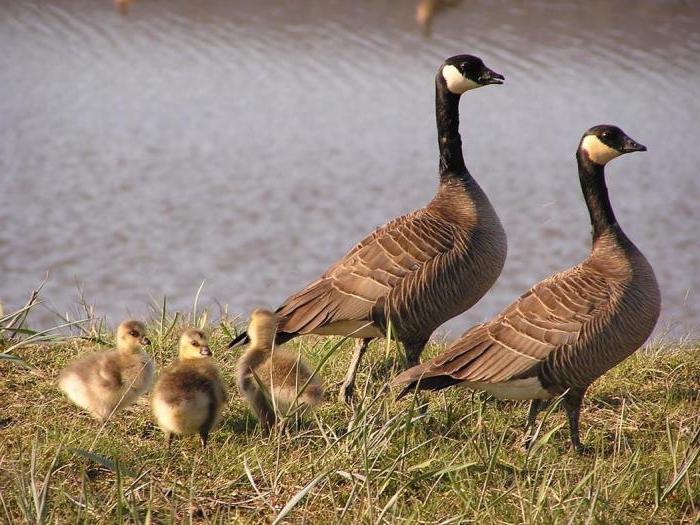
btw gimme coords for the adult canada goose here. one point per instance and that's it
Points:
(274, 377)
(418, 270)
(569, 329)
(105, 382)
(189, 396)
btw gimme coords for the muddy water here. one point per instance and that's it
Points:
(250, 144)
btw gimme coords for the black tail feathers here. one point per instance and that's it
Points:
(240, 339)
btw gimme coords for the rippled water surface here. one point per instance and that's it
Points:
(250, 144)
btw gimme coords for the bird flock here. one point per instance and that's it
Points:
(409, 277)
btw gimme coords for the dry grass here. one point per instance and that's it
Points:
(379, 462)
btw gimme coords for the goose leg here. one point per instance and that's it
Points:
(347, 389)
(413, 352)
(267, 421)
(207, 425)
(572, 405)
(530, 425)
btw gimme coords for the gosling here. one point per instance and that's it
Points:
(189, 396)
(274, 380)
(103, 383)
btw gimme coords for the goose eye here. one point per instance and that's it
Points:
(605, 134)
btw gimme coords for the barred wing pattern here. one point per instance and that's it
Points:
(352, 289)
(543, 325)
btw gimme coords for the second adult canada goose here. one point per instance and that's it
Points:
(418, 270)
(569, 329)
(189, 396)
(105, 382)
(273, 379)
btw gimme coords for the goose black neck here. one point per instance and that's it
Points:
(449, 141)
(592, 177)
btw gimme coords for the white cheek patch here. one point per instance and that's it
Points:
(597, 151)
(456, 82)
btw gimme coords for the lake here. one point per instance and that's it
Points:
(250, 144)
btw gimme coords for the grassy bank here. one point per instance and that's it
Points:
(381, 462)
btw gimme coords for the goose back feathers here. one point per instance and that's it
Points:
(565, 332)
(418, 270)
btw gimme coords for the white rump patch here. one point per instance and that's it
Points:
(456, 82)
(597, 151)
(529, 388)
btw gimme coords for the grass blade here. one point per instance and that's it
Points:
(297, 498)
(681, 473)
(106, 462)
(196, 302)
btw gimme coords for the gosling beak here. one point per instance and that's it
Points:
(489, 76)
(630, 146)
(205, 351)
(144, 341)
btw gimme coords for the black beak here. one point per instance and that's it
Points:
(490, 77)
(630, 146)
(205, 351)
(145, 341)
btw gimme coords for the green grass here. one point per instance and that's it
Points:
(380, 462)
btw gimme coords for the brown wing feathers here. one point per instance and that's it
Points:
(393, 263)
(545, 321)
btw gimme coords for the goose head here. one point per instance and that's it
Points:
(262, 328)
(194, 344)
(461, 73)
(131, 336)
(604, 142)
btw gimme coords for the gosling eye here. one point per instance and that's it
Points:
(195, 343)
(134, 333)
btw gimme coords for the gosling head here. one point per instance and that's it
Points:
(194, 344)
(262, 328)
(131, 336)
(461, 73)
(602, 143)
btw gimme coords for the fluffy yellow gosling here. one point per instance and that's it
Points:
(189, 396)
(272, 378)
(104, 383)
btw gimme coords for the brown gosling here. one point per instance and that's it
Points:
(103, 383)
(274, 380)
(189, 396)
